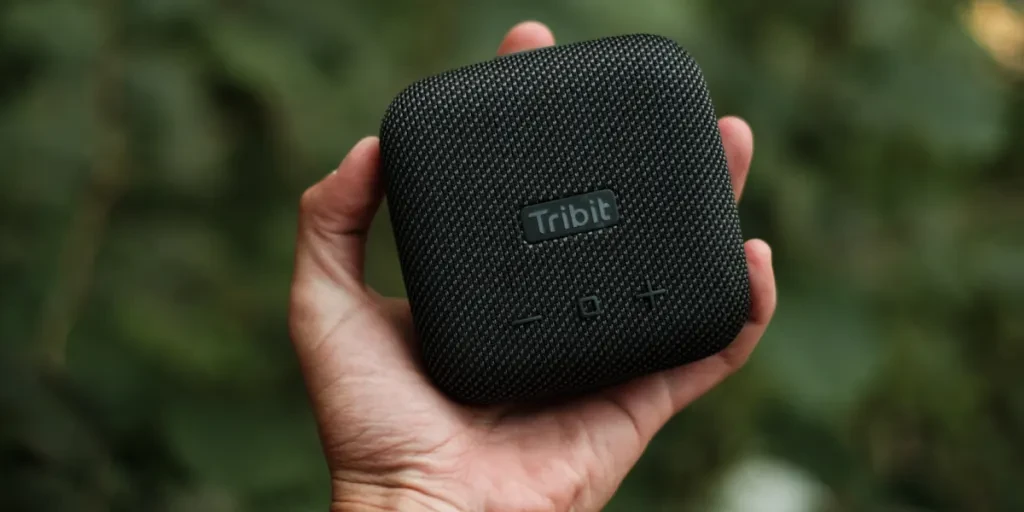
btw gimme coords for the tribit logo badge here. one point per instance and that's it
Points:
(569, 216)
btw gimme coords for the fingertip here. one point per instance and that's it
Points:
(362, 154)
(762, 281)
(357, 172)
(759, 250)
(737, 128)
(738, 142)
(533, 26)
(526, 35)
(345, 200)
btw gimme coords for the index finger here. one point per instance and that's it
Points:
(527, 35)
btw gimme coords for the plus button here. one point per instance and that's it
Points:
(651, 294)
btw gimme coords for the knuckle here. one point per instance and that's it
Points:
(736, 359)
(736, 355)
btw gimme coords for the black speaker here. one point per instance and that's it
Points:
(564, 219)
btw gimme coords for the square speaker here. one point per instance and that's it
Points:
(564, 219)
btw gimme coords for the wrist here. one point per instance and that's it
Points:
(350, 496)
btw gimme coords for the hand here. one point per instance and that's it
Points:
(393, 442)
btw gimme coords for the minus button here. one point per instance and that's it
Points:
(527, 320)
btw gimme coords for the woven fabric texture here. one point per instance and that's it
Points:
(464, 151)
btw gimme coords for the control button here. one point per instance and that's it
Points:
(527, 320)
(590, 306)
(651, 294)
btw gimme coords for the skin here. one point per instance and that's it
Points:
(393, 442)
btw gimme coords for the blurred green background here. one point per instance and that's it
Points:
(152, 153)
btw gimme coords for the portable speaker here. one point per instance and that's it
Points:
(564, 219)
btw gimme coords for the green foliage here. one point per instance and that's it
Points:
(152, 157)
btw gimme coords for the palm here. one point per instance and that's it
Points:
(380, 404)
(383, 425)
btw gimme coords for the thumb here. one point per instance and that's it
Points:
(335, 216)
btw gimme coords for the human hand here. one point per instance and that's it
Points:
(393, 442)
